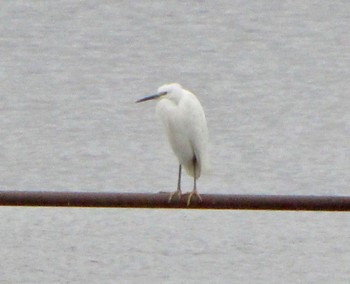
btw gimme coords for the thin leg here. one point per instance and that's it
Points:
(179, 180)
(194, 191)
(178, 190)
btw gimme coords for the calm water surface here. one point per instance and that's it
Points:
(274, 81)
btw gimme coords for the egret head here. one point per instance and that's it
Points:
(170, 91)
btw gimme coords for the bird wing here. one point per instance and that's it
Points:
(197, 131)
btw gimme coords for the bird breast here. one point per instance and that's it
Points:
(186, 128)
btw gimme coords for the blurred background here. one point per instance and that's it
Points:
(273, 78)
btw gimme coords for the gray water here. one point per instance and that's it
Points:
(273, 77)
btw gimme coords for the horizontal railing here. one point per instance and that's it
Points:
(161, 200)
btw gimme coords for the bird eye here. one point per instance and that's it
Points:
(163, 93)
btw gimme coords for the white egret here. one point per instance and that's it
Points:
(184, 121)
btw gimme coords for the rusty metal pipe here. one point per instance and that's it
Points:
(160, 200)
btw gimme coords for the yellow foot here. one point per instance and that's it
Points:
(193, 193)
(175, 193)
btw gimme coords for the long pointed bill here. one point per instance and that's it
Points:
(153, 97)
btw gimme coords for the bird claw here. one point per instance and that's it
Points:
(175, 193)
(193, 193)
(178, 193)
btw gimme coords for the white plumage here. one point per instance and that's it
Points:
(184, 121)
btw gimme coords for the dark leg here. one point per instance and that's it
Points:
(178, 190)
(179, 179)
(194, 191)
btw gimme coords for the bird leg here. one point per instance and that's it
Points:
(194, 191)
(178, 190)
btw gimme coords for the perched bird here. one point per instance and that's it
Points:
(184, 121)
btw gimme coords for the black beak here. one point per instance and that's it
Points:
(156, 96)
(149, 98)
